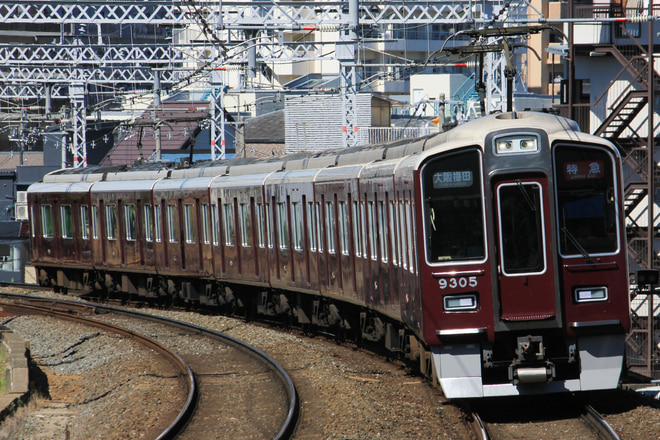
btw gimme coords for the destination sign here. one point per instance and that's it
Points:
(452, 179)
(584, 169)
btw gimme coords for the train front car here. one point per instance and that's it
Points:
(524, 270)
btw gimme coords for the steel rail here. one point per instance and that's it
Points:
(592, 418)
(70, 313)
(286, 430)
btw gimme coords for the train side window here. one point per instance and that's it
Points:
(66, 214)
(283, 229)
(404, 237)
(148, 223)
(373, 232)
(330, 226)
(228, 223)
(261, 228)
(382, 235)
(84, 222)
(33, 229)
(190, 223)
(171, 223)
(411, 240)
(206, 225)
(47, 221)
(95, 222)
(311, 226)
(319, 234)
(111, 222)
(130, 220)
(215, 225)
(357, 236)
(363, 226)
(297, 219)
(343, 228)
(394, 233)
(158, 221)
(244, 217)
(269, 226)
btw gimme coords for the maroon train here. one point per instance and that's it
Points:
(494, 253)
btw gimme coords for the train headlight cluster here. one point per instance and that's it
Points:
(517, 144)
(460, 302)
(590, 294)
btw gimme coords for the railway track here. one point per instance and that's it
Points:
(232, 388)
(321, 411)
(535, 419)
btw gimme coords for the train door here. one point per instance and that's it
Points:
(526, 272)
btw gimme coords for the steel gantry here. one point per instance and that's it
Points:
(64, 62)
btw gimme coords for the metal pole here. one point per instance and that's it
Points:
(651, 182)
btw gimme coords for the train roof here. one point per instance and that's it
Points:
(473, 132)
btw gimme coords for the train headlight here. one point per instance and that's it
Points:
(590, 294)
(517, 144)
(460, 302)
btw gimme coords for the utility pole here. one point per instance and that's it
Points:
(345, 54)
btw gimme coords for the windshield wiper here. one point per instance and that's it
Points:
(577, 244)
(528, 199)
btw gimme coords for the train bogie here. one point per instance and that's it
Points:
(497, 247)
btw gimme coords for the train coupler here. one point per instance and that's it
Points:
(519, 374)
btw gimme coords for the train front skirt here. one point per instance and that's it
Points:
(458, 368)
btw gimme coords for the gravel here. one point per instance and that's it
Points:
(345, 393)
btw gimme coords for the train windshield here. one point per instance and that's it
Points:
(453, 208)
(586, 201)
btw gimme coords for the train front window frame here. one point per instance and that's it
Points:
(454, 214)
(586, 201)
(521, 228)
